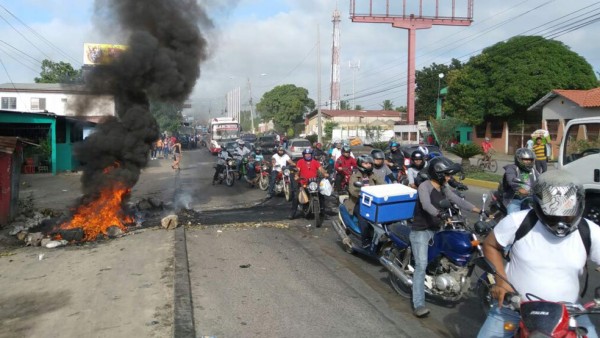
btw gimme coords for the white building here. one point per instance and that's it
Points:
(60, 99)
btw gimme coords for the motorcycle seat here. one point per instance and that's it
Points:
(401, 230)
(347, 217)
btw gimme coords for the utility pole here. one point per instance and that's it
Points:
(319, 127)
(251, 108)
(355, 66)
(334, 90)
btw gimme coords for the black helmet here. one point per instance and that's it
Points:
(280, 148)
(345, 149)
(377, 154)
(364, 159)
(559, 201)
(257, 150)
(441, 166)
(524, 154)
(307, 151)
(417, 155)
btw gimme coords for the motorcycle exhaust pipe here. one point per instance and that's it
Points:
(395, 270)
(340, 231)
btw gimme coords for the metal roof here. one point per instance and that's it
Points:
(41, 87)
(8, 144)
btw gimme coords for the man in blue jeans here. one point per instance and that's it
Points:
(427, 220)
(549, 258)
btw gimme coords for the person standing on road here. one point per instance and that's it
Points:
(549, 258)
(278, 162)
(427, 218)
(159, 147)
(176, 155)
(518, 179)
(541, 160)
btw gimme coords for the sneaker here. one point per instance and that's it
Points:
(421, 312)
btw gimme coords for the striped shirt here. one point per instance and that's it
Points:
(540, 152)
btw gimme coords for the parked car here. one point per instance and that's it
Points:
(296, 146)
(267, 143)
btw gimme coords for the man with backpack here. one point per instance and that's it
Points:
(518, 179)
(548, 248)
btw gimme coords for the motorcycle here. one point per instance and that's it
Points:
(257, 166)
(262, 173)
(541, 318)
(229, 173)
(497, 207)
(312, 206)
(449, 258)
(351, 235)
(282, 182)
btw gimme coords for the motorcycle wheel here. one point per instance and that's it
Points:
(287, 192)
(316, 209)
(229, 179)
(263, 183)
(402, 289)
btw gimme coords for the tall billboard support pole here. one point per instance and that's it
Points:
(411, 22)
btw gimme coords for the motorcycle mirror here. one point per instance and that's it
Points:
(484, 197)
(358, 184)
(445, 204)
(485, 265)
(462, 176)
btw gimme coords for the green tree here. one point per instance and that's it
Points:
(445, 130)
(428, 81)
(167, 115)
(329, 127)
(508, 77)
(387, 105)
(358, 107)
(344, 105)
(58, 72)
(285, 105)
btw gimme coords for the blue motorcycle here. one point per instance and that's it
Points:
(450, 258)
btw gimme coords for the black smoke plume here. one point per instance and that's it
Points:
(162, 63)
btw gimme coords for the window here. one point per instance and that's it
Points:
(581, 140)
(552, 127)
(497, 127)
(38, 103)
(480, 130)
(9, 103)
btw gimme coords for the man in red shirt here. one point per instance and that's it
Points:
(344, 166)
(486, 145)
(308, 168)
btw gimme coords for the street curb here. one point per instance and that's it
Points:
(183, 324)
(480, 183)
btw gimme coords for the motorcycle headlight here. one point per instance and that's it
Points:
(265, 168)
(313, 186)
(230, 163)
(286, 172)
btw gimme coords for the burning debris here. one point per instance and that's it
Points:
(161, 63)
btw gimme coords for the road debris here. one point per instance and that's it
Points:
(56, 244)
(170, 222)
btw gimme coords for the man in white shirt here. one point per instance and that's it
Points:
(278, 161)
(548, 260)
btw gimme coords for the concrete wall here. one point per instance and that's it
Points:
(561, 108)
(63, 104)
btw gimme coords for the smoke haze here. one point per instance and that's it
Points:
(162, 63)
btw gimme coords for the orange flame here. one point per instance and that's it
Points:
(97, 216)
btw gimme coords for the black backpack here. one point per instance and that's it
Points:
(528, 224)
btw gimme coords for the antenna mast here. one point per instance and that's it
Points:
(334, 98)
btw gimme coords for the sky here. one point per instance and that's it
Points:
(259, 44)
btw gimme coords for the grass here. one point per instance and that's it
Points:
(483, 176)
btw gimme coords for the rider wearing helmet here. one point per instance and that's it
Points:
(278, 161)
(380, 168)
(547, 260)
(427, 219)
(318, 151)
(365, 175)
(417, 163)
(256, 156)
(344, 166)
(518, 179)
(395, 158)
(308, 168)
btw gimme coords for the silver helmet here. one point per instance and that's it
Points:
(523, 154)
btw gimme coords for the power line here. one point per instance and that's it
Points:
(24, 37)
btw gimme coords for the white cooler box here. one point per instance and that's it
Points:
(387, 203)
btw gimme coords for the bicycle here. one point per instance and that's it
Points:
(487, 162)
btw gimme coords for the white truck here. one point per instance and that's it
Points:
(580, 155)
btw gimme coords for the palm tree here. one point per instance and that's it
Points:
(387, 105)
(465, 152)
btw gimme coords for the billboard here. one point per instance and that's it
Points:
(100, 53)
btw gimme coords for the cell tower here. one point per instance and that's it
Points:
(411, 21)
(334, 98)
